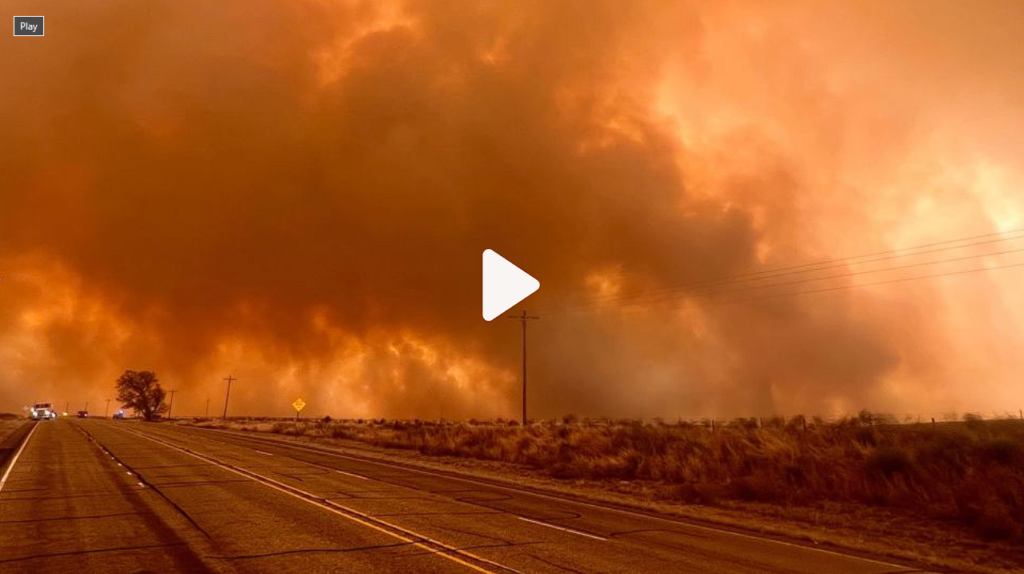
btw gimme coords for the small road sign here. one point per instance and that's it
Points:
(299, 404)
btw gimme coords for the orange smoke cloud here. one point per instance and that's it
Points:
(297, 193)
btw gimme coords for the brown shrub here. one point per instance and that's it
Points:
(888, 461)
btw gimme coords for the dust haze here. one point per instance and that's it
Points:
(298, 193)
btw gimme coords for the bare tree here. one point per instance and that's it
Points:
(141, 391)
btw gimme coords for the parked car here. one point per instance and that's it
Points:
(83, 414)
(42, 412)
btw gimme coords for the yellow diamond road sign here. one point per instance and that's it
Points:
(299, 404)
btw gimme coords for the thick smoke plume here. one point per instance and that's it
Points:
(298, 193)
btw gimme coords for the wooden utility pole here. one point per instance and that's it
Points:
(523, 318)
(170, 407)
(228, 378)
(106, 412)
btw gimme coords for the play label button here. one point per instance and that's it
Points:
(504, 285)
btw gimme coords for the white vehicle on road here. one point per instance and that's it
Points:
(42, 412)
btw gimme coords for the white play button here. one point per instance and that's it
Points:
(504, 285)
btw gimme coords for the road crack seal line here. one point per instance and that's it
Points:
(72, 496)
(66, 518)
(443, 513)
(93, 551)
(504, 541)
(481, 495)
(145, 483)
(657, 530)
(187, 484)
(550, 563)
(313, 551)
(41, 489)
(426, 543)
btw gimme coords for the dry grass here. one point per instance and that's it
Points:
(970, 473)
(10, 424)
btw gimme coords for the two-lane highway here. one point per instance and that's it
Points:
(186, 499)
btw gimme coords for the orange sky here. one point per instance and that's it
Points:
(297, 193)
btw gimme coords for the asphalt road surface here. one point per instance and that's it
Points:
(100, 496)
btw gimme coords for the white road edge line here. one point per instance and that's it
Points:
(682, 522)
(564, 529)
(359, 517)
(10, 466)
(307, 462)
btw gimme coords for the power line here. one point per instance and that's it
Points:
(713, 289)
(707, 296)
(847, 263)
(887, 282)
(911, 248)
(855, 273)
(858, 285)
(805, 268)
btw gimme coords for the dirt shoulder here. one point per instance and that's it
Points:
(851, 527)
(9, 426)
(12, 430)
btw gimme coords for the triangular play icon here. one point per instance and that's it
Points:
(504, 285)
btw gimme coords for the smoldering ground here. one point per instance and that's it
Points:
(298, 194)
